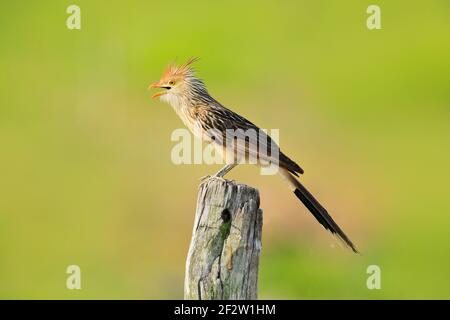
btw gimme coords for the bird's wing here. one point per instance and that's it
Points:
(242, 137)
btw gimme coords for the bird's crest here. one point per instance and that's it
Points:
(180, 71)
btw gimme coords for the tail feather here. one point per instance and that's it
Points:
(319, 212)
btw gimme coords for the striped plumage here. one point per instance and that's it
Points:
(209, 119)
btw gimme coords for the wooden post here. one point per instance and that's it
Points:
(223, 257)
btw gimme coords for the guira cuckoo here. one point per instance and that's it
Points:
(210, 120)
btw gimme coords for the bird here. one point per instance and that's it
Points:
(208, 119)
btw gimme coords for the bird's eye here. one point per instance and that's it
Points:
(171, 82)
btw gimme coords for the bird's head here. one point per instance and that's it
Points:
(179, 82)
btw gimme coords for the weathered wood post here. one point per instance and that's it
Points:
(223, 257)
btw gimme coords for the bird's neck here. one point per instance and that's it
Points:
(183, 107)
(177, 102)
(185, 104)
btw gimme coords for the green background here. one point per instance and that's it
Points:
(85, 169)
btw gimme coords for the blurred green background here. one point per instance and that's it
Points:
(86, 176)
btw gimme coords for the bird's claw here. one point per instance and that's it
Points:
(204, 178)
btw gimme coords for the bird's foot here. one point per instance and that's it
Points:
(204, 178)
(214, 176)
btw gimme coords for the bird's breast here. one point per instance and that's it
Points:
(190, 120)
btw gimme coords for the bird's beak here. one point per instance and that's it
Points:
(156, 85)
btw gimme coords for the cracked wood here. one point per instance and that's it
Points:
(223, 257)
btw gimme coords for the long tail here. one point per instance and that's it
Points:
(316, 208)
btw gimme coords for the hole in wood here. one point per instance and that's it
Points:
(226, 215)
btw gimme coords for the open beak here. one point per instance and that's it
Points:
(157, 85)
